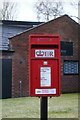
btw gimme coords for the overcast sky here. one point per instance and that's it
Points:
(26, 10)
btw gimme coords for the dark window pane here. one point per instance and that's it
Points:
(66, 48)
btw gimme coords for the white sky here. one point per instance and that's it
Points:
(26, 10)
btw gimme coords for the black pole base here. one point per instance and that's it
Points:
(44, 108)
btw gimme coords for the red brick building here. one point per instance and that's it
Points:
(68, 29)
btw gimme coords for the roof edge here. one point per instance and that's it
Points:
(65, 15)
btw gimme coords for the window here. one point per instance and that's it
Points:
(71, 67)
(66, 48)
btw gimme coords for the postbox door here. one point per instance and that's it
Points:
(44, 75)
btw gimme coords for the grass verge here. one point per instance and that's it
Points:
(65, 106)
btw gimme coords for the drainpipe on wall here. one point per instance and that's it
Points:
(20, 88)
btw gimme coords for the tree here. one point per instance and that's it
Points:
(8, 10)
(48, 8)
(76, 5)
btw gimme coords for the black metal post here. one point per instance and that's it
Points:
(44, 108)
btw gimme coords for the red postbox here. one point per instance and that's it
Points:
(44, 65)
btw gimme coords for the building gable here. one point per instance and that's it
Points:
(47, 27)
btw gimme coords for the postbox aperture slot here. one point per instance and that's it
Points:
(44, 46)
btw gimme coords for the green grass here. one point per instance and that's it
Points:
(65, 106)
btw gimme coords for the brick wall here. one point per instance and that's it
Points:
(68, 31)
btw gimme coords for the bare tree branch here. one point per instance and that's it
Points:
(48, 8)
(8, 10)
(74, 3)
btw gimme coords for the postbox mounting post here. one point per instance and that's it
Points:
(44, 108)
